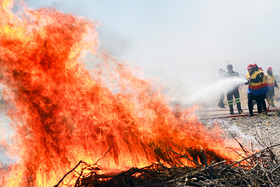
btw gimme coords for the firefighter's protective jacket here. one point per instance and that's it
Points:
(271, 80)
(255, 83)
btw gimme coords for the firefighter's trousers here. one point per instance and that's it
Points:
(235, 94)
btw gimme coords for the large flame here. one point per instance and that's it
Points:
(62, 113)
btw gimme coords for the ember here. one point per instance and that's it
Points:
(63, 114)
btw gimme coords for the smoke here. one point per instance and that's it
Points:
(6, 130)
(245, 139)
(184, 42)
(5, 134)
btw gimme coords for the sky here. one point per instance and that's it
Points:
(184, 42)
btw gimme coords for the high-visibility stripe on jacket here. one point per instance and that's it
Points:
(270, 79)
(231, 74)
(255, 85)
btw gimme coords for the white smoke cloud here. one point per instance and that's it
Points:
(205, 94)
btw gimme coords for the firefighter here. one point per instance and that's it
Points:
(222, 95)
(249, 91)
(271, 84)
(264, 88)
(254, 89)
(235, 92)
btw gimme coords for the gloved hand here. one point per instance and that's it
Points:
(246, 83)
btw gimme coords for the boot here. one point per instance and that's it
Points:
(231, 110)
(250, 114)
(240, 111)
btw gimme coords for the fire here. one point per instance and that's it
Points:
(62, 113)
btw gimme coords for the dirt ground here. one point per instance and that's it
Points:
(260, 131)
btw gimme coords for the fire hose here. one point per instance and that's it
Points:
(238, 115)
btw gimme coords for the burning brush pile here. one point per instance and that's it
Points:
(259, 169)
(109, 125)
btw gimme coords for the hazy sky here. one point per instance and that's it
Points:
(184, 40)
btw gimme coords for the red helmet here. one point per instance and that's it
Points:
(254, 65)
(269, 68)
(249, 66)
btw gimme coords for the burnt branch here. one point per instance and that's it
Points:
(68, 173)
